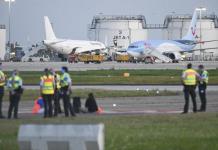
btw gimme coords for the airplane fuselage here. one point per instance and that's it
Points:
(138, 49)
(65, 46)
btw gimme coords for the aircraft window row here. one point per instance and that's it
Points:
(133, 46)
(186, 42)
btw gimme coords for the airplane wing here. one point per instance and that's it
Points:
(202, 42)
(203, 49)
(154, 52)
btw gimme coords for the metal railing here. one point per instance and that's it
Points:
(98, 18)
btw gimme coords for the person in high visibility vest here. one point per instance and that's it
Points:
(66, 83)
(2, 84)
(47, 86)
(189, 80)
(14, 85)
(202, 86)
(57, 95)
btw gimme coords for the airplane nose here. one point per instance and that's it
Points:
(131, 53)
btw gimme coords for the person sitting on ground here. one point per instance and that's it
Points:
(91, 104)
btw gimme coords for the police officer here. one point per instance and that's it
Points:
(202, 86)
(47, 86)
(65, 91)
(14, 84)
(2, 83)
(189, 80)
(57, 95)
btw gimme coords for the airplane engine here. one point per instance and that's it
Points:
(175, 56)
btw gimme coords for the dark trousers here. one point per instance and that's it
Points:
(67, 105)
(47, 99)
(202, 94)
(190, 90)
(14, 102)
(57, 106)
(1, 97)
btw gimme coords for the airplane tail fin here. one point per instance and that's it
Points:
(191, 35)
(49, 33)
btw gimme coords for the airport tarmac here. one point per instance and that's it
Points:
(39, 66)
(134, 105)
(130, 87)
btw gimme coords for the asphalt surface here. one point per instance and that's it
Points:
(39, 66)
(133, 105)
(131, 87)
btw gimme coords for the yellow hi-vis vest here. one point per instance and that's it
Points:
(14, 82)
(2, 78)
(48, 84)
(64, 79)
(190, 77)
(57, 81)
(204, 76)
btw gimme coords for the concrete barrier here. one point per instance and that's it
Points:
(61, 137)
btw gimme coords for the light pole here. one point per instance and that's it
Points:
(9, 20)
(200, 9)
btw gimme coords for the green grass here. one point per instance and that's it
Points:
(152, 132)
(33, 94)
(116, 77)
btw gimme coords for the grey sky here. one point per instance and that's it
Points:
(71, 17)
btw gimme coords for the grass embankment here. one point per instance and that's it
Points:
(116, 77)
(33, 94)
(153, 132)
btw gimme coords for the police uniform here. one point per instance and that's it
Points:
(47, 90)
(189, 81)
(202, 86)
(57, 95)
(2, 83)
(15, 90)
(65, 82)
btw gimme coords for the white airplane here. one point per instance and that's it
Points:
(167, 50)
(66, 46)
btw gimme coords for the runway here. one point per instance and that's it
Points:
(133, 105)
(39, 66)
(131, 87)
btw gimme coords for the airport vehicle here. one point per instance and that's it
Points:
(167, 50)
(36, 55)
(68, 47)
(86, 58)
(122, 58)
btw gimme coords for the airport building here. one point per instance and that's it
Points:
(117, 31)
(176, 26)
(2, 41)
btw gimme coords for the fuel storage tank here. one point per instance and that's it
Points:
(117, 31)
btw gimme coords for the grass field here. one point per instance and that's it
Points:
(151, 132)
(116, 77)
(33, 94)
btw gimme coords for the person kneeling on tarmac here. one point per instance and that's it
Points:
(91, 104)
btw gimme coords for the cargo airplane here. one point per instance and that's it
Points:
(167, 50)
(66, 46)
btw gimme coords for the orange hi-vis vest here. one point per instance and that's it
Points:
(48, 84)
(190, 78)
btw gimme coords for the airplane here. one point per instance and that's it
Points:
(167, 50)
(67, 46)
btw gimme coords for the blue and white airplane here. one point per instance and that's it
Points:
(166, 50)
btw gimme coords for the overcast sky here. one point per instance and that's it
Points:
(71, 17)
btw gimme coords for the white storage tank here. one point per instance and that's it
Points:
(177, 27)
(2, 41)
(117, 31)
